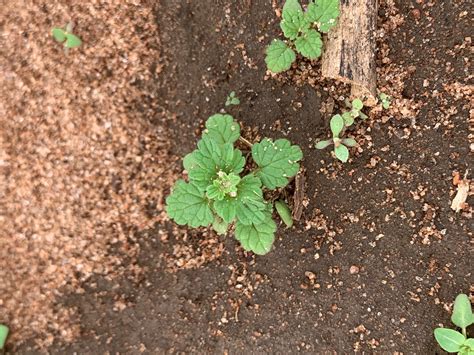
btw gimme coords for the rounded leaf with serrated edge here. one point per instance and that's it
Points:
(72, 41)
(277, 161)
(449, 339)
(188, 205)
(59, 34)
(462, 311)
(337, 124)
(220, 226)
(349, 142)
(284, 212)
(342, 153)
(250, 205)
(293, 19)
(222, 129)
(258, 238)
(324, 13)
(323, 144)
(309, 44)
(279, 56)
(357, 104)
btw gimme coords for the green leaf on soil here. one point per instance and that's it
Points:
(187, 204)
(309, 44)
(449, 339)
(59, 34)
(293, 21)
(337, 124)
(324, 13)
(72, 41)
(257, 237)
(357, 104)
(348, 119)
(462, 311)
(323, 144)
(222, 129)
(3, 335)
(279, 56)
(342, 153)
(284, 212)
(277, 161)
(349, 142)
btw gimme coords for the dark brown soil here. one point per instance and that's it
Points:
(378, 255)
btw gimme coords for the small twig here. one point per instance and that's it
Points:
(246, 142)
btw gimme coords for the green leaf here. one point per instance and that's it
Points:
(279, 56)
(349, 142)
(462, 311)
(72, 41)
(188, 205)
(222, 129)
(342, 153)
(284, 212)
(337, 124)
(205, 162)
(223, 185)
(357, 104)
(219, 225)
(449, 340)
(293, 20)
(226, 208)
(469, 343)
(58, 34)
(309, 44)
(324, 13)
(323, 144)
(277, 161)
(257, 237)
(250, 204)
(3, 335)
(348, 119)
(386, 104)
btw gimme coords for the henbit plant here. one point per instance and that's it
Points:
(385, 99)
(3, 336)
(65, 35)
(340, 144)
(303, 31)
(222, 192)
(232, 99)
(451, 340)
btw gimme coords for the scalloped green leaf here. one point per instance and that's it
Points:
(72, 41)
(187, 205)
(462, 311)
(220, 226)
(293, 20)
(257, 238)
(279, 56)
(342, 153)
(337, 124)
(309, 44)
(277, 161)
(59, 34)
(324, 13)
(222, 128)
(449, 339)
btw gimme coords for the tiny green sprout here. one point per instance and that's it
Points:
(284, 212)
(451, 340)
(385, 99)
(3, 336)
(232, 99)
(65, 35)
(337, 125)
(356, 107)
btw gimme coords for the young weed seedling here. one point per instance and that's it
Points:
(66, 36)
(303, 31)
(356, 107)
(451, 340)
(340, 144)
(232, 99)
(221, 192)
(385, 99)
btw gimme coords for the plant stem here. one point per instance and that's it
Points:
(246, 142)
(464, 332)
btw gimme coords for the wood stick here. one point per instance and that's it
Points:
(350, 49)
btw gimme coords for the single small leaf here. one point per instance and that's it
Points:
(469, 343)
(323, 144)
(462, 311)
(279, 56)
(257, 237)
(348, 119)
(226, 208)
(284, 212)
(220, 226)
(324, 13)
(349, 142)
(3, 335)
(337, 124)
(235, 101)
(277, 161)
(72, 41)
(188, 205)
(386, 104)
(309, 44)
(222, 129)
(59, 34)
(449, 339)
(250, 204)
(293, 20)
(342, 153)
(357, 104)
